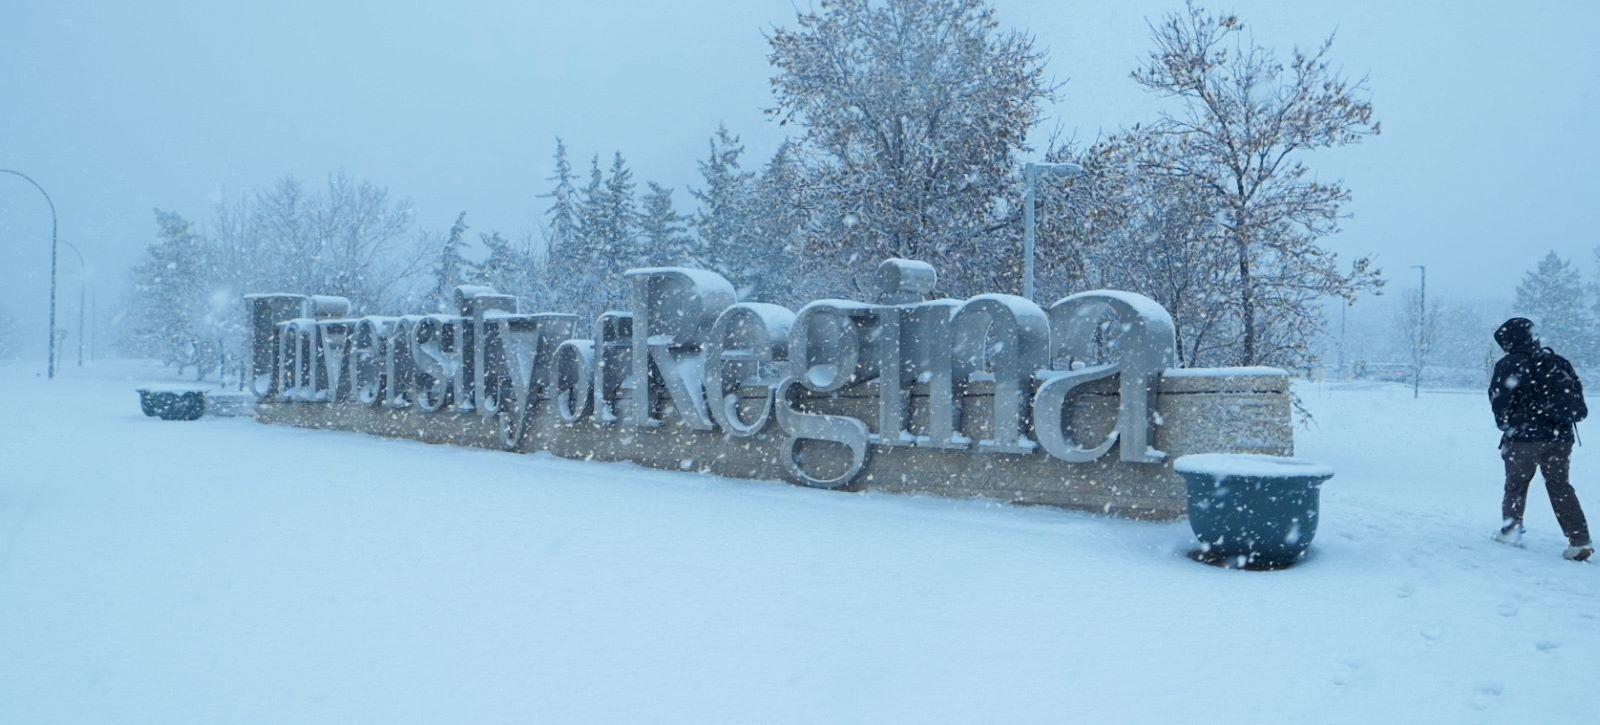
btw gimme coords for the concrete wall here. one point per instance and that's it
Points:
(1201, 411)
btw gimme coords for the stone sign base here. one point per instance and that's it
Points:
(1234, 410)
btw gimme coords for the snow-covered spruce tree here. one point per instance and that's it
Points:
(752, 226)
(591, 215)
(513, 269)
(573, 259)
(1244, 122)
(915, 114)
(781, 227)
(450, 269)
(563, 211)
(1552, 295)
(662, 234)
(723, 222)
(563, 229)
(170, 291)
(618, 232)
(586, 275)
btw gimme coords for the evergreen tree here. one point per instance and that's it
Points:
(620, 249)
(589, 236)
(1552, 295)
(511, 269)
(586, 278)
(779, 242)
(563, 211)
(570, 257)
(662, 233)
(723, 221)
(170, 288)
(451, 269)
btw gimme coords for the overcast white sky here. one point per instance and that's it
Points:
(1488, 157)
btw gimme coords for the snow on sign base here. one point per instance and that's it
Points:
(993, 396)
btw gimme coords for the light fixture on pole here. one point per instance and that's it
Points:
(50, 369)
(1030, 180)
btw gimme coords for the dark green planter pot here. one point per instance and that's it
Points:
(1250, 511)
(147, 403)
(173, 404)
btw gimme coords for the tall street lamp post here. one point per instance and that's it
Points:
(1422, 328)
(1030, 177)
(50, 369)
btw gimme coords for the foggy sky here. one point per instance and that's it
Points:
(1488, 155)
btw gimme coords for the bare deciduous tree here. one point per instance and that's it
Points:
(1244, 121)
(914, 114)
(352, 240)
(1118, 226)
(1419, 330)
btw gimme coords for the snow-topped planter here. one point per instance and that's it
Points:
(1252, 511)
(172, 403)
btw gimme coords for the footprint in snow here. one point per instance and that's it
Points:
(1545, 645)
(1485, 694)
(1348, 671)
(1510, 609)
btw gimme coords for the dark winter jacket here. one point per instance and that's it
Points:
(1535, 393)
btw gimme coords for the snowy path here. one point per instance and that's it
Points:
(282, 575)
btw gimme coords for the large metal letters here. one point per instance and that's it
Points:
(686, 353)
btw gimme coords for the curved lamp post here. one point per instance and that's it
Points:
(1030, 177)
(50, 370)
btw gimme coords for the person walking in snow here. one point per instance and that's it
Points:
(1537, 400)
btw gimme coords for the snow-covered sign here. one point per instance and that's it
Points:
(994, 375)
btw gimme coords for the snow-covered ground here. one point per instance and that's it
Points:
(226, 571)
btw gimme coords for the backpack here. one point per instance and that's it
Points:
(1561, 391)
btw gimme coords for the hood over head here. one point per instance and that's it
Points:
(1516, 334)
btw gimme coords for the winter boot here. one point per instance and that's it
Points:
(1579, 553)
(1510, 534)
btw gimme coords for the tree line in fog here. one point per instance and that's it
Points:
(909, 127)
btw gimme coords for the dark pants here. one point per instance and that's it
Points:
(1554, 459)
